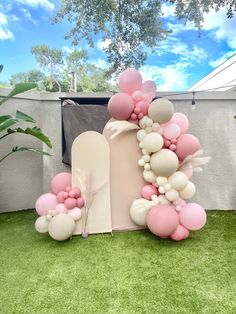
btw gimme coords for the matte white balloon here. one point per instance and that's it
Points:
(178, 180)
(141, 134)
(188, 191)
(61, 227)
(172, 195)
(164, 163)
(161, 110)
(41, 224)
(149, 176)
(138, 213)
(153, 142)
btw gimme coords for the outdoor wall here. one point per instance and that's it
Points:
(24, 175)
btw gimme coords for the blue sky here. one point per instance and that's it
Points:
(176, 64)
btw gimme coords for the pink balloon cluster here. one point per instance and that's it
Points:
(133, 101)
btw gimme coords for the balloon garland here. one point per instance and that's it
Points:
(169, 157)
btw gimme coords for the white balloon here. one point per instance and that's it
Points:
(41, 224)
(61, 227)
(178, 180)
(146, 158)
(153, 142)
(163, 200)
(161, 180)
(149, 176)
(141, 134)
(164, 163)
(188, 191)
(139, 210)
(161, 110)
(172, 195)
(75, 213)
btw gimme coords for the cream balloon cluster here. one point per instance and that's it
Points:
(169, 157)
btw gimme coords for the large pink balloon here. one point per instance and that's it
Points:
(60, 182)
(143, 106)
(120, 106)
(181, 120)
(187, 144)
(162, 220)
(149, 87)
(180, 233)
(45, 202)
(193, 216)
(130, 80)
(171, 131)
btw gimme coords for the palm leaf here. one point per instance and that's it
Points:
(6, 122)
(24, 148)
(18, 89)
(22, 116)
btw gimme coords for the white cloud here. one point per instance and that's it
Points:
(221, 27)
(45, 4)
(103, 44)
(168, 11)
(215, 63)
(100, 63)
(4, 32)
(28, 16)
(168, 78)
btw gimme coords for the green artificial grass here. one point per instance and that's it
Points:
(131, 272)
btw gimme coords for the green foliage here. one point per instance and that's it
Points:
(34, 76)
(129, 27)
(1, 67)
(6, 121)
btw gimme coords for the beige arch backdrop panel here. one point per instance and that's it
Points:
(91, 155)
(126, 177)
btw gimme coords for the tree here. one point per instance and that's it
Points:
(128, 27)
(33, 76)
(50, 59)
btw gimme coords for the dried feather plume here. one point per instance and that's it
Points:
(194, 161)
(119, 127)
(88, 191)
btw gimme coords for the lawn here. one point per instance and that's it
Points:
(131, 272)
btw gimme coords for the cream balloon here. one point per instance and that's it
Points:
(188, 191)
(178, 180)
(139, 210)
(164, 163)
(161, 110)
(153, 142)
(41, 224)
(61, 227)
(141, 134)
(149, 176)
(172, 195)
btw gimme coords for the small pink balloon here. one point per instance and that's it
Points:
(60, 208)
(149, 87)
(140, 116)
(149, 190)
(172, 147)
(72, 194)
(75, 213)
(162, 220)
(171, 131)
(137, 110)
(80, 202)
(68, 189)
(60, 197)
(77, 192)
(179, 233)
(44, 203)
(173, 141)
(148, 97)
(137, 95)
(186, 234)
(143, 105)
(133, 116)
(70, 203)
(130, 80)
(167, 143)
(181, 120)
(60, 182)
(65, 195)
(187, 144)
(120, 106)
(193, 216)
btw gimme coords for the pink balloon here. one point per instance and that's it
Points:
(60, 197)
(44, 203)
(149, 87)
(143, 105)
(120, 106)
(70, 203)
(182, 121)
(180, 233)
(130, 80)
(193, 216)
(162, 220)
(72, 194)
(75, 213)
(77, 191)
(148, 190)
(188, 172)
(186, 234)
(187, 144)
(60, 182)
(80, 202)
(172, 131)
(137, 95)
(61, 209)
